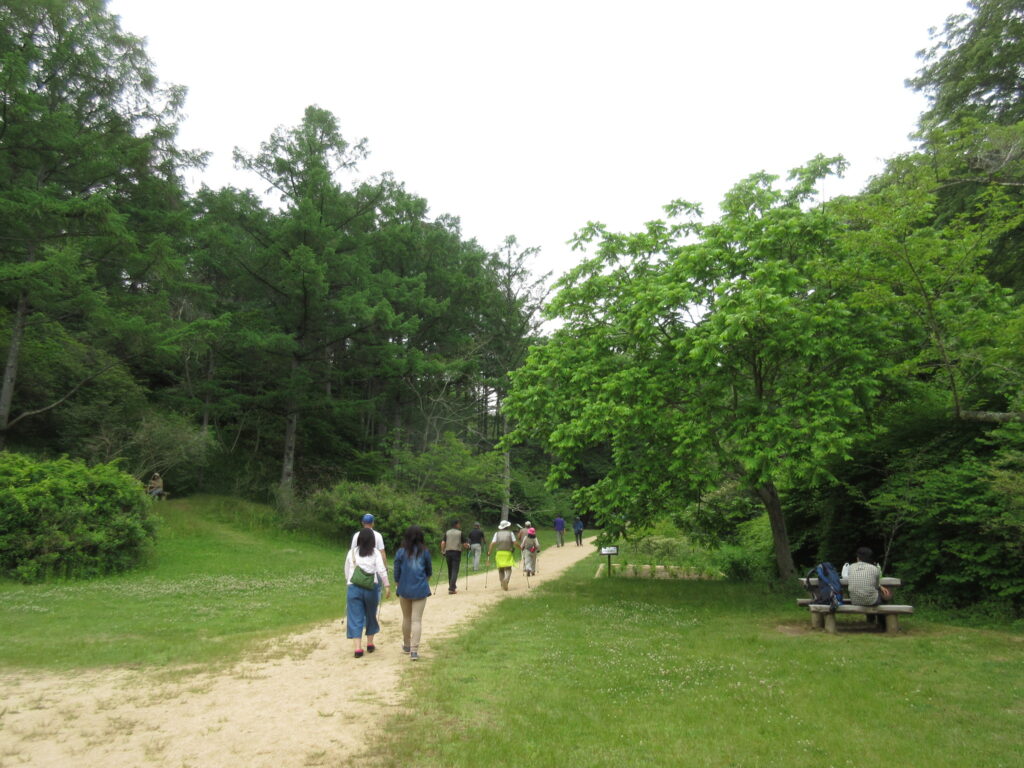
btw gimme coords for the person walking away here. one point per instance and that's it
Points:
(504, 541)
(521, 533)
(531, 548)
(452, 545)
(476, 545)
(577, 529)
(413, 569)
(378, 542)
(364, 570)
(560, 531)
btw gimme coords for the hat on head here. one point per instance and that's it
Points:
(367, 518)
(504, 524)
(532, 531)
(476, 525)
(527, 525)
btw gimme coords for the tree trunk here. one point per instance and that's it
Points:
(11, 368)
(288, 462)
(783, 557)
(992, 417)
(290, 432)
(207, 397)
(506, 474)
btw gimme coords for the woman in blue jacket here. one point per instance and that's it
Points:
(413, 569)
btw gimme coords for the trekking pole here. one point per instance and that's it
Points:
(487, 570)
(437, 580)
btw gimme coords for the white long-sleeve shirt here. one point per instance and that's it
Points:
(373, 563)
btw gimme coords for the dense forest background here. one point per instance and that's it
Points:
(798, 377)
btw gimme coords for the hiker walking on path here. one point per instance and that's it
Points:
(531, 548)
(364, 571)
(560, 531)
(413, 569)
(452, 544)
(378, 542)
(504, 541)
(577, 529)
(476, 545)
(521, 533)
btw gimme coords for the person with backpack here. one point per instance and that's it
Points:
(864, 580)
(413, 569)
(504, 541)
(521, 533)
(452, 545)
(476, 545)
(364, 570)
(531, 548)
(577, 529)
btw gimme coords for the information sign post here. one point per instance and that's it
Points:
(609, 551)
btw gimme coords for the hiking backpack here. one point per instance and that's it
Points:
(829, 590)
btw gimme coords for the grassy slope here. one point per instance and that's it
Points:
(218, 582)
(627, 672)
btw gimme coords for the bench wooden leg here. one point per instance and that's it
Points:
(830, 623)
(817, 620)
(892, 623)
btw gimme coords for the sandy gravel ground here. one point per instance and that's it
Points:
(302, 702)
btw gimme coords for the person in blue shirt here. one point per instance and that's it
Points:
(577, 528)
(560, 531)
(413, 569)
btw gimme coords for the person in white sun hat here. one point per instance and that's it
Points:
(504, 541)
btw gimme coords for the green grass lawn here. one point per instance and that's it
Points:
(220, 581)
(580, 672)
(599, 672)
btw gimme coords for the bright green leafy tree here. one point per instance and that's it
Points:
(705, 354)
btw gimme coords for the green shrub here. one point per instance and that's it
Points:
(958, 539)
(63, 518)
(753, 557)
(450, 476)
(335, 513)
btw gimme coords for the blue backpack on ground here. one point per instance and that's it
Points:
(829, 590)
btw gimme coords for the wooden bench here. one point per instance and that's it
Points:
(823, 614)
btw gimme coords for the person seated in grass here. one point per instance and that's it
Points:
(156, 486)
(864, 581)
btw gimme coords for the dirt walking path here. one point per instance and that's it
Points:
(303, 702)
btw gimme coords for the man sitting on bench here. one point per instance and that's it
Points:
(864, 581)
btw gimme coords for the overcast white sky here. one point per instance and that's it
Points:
(532, 118)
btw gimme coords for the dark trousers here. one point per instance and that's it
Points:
(454, 560)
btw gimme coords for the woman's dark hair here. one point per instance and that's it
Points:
(864, 554)
(412, 541)
(365, 542)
